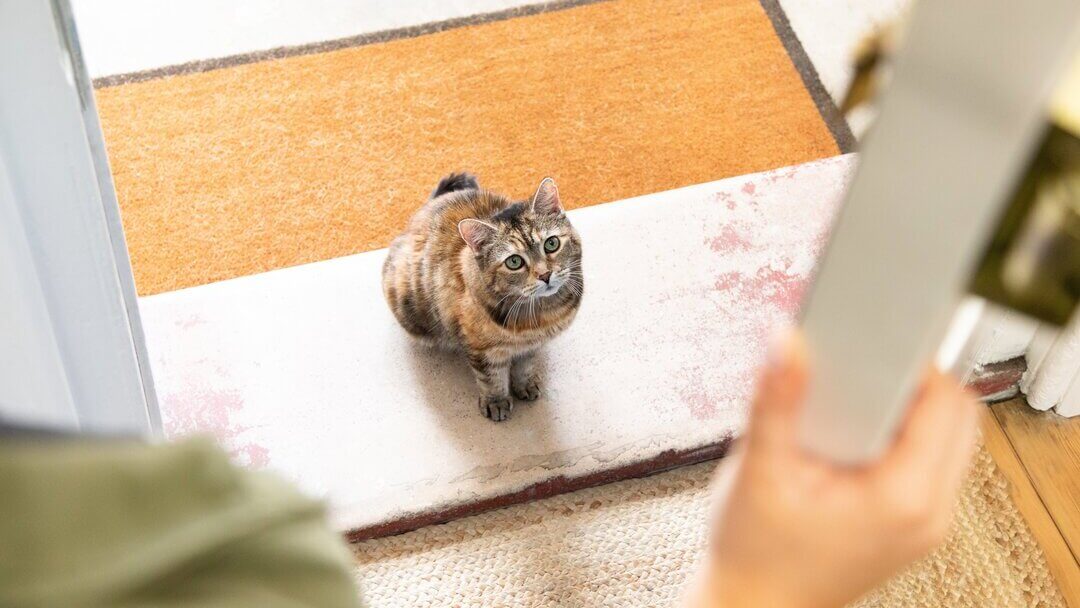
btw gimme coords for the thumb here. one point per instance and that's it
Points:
(780, 393)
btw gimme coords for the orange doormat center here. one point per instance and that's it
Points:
(252, 167)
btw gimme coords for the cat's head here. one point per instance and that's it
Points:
(528, 249)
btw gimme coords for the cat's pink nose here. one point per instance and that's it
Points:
(545, 277)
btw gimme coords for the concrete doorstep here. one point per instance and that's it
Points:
(304, 370)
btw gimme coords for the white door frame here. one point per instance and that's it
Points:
(78, 360)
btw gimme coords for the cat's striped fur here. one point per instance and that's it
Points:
(450, 282)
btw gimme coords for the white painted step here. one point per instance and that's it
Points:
(304, 370)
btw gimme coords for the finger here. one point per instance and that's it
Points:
(780, 393)
(723, 476)
(957, 460)
(924, 438)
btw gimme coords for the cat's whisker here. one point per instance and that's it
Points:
(523, 308)
(525, 313)
(512, 314)
(576, 285)
(501, 300)
(517, 308)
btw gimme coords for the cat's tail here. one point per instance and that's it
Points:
(455, 182)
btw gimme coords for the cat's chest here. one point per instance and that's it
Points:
(532, 337)
(485, 331)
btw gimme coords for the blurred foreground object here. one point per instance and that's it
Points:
(872, 60)
(121, 523)
(1032, 265)
(964, 114)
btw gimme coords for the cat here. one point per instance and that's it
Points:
(494, 279)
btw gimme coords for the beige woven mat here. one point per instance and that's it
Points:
(634, 543)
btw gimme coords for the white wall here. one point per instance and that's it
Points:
(122, 36)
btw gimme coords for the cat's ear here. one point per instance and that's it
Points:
(475, 233)
(546, 200)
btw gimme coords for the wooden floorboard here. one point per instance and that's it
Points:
(1049, 447)
(1040, 456)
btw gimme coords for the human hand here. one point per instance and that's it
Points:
(794, 531)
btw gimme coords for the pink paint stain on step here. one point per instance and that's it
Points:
(767, 286)
(765, 273)
(760, 302)
(727, 198)
(783, 174)
(189, 321)
(709, 393)
(695, 394)
(729, 239)
(198, 410)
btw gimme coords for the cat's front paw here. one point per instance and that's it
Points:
(495, 407)
(526, 390)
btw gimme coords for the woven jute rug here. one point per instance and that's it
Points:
(636, 543)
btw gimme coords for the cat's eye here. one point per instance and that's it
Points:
(515, 262)
(551, 245)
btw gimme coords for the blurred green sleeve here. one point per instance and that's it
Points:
(124, 524)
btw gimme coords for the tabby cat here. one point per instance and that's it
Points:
(489, 277)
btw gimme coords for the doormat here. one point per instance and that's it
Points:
(231, 167)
